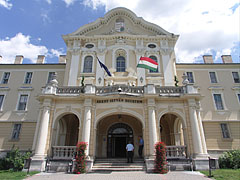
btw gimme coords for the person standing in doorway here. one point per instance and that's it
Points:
(130, 149)
(140, 147)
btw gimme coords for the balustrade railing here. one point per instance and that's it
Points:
(70, 90)
(175, 152)
(119, 89)
(63, 152)
(169, 90)
(67, 152)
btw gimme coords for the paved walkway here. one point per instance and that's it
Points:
(176, 175)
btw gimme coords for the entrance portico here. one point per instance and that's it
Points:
(113, 134)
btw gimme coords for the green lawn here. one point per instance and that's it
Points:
(224, 174)
(7, 175)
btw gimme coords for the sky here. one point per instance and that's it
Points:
(35, 27)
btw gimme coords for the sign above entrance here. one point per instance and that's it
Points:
(119, 100)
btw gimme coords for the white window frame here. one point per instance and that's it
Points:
(26, 77)
(238, 97)
(121, 67)
(3, 77)
(114, 59)
(236, 90)
(215, 76)
(19, 96)
(226, 130)
(223, 108)
(218, 90)
(18, 132)
(84, 63)
(192, 76)
(93, 64)
(238, 77)
(1, 105)
(48, 76)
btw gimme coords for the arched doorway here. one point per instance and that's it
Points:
(112, 134)
(67, 130)
(118, 136)
(171, 130)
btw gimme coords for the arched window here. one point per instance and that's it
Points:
(88, 61)
(121, 65)
(155, 59)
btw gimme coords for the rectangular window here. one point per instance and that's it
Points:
(225, 130)
(22, 104)
(235, 77)
(190, 77)
(1, 101)
(5, 78)
(50, 76)
(28, 78)
(16, 131)
(213, 77)
(218, 101)
(238, 95)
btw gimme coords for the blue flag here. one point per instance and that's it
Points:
(105, 67)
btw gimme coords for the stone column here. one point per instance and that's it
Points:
(141, 77)
(196, 137)
(38, 162)
(201, 129)
(152, 126)
(100, 71)
(168, 69)
(87, 124)
(73, 71)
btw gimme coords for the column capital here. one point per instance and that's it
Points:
(88, 102)
(165, 51)
(192, 103)
(151, 102)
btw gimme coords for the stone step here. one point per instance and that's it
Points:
(118, 164)
(94, 169)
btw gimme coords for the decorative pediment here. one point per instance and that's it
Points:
(117, 21)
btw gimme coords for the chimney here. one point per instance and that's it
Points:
(40, 59)
(62, 59)
(207, 59)
(18, 59)
(226, 58)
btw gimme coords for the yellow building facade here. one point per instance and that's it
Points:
(48, 108)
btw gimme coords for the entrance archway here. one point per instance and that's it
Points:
(112, 134)
(118, 136)
(171, 130)
(67, 130)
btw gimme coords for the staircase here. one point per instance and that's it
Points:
(118, 164)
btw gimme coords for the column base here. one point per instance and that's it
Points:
(149, 165)
(38, 163)
(200, 164)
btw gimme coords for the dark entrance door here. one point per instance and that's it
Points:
(118, 136)
(120, 146)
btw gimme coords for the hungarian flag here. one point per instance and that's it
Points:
(147, 63)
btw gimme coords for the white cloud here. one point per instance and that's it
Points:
(6, 4)
(69, 2)
(203, 25)
(21, 45)
(45, 17)
(49, 1)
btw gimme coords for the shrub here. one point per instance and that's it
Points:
(230, 160)
(160, 160)
(14, 160)
(80, 166)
